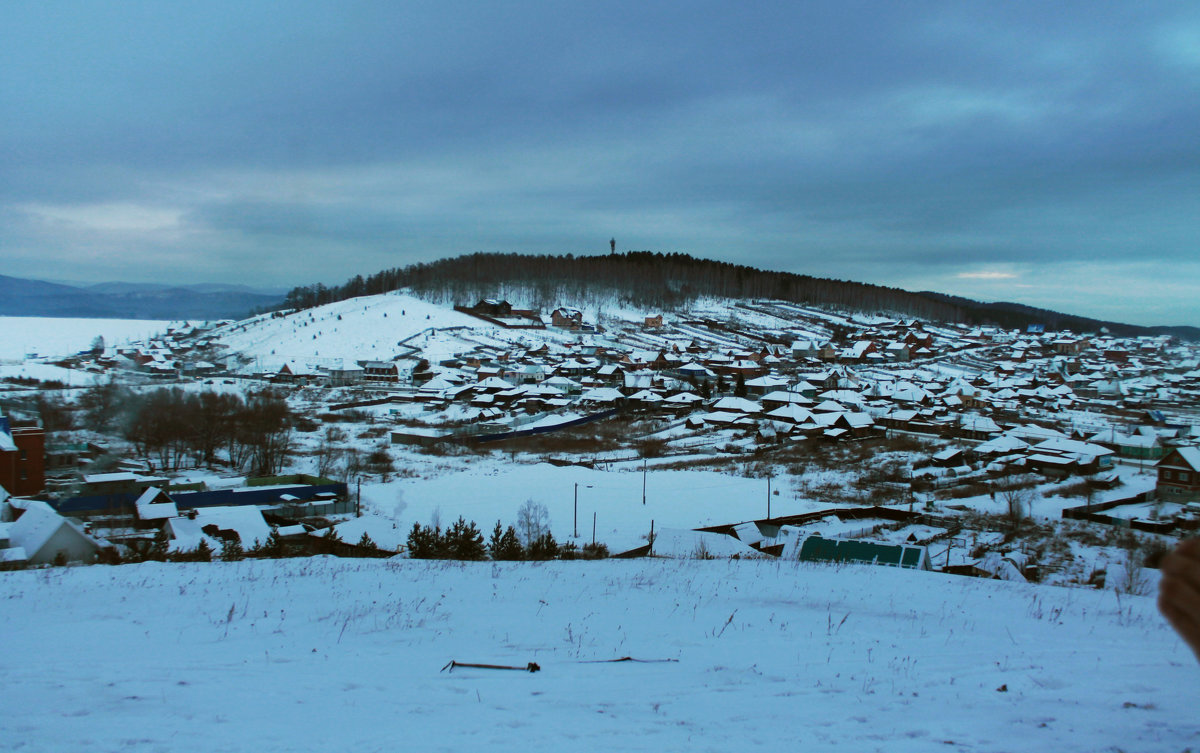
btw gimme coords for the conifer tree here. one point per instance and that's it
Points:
(160, 547)
(365, 543)
(494, 540)
(464, 541)
(274, 547)
(425, 542)
(504, 544)
(232, 551)
(543, 547)
(203, 552)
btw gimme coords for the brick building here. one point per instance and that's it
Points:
(22, 457)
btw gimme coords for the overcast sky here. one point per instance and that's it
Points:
(1047, 153)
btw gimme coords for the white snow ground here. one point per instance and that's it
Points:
(327, 654)
(489, 491)
(21, 336)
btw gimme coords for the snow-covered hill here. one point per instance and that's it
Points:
(370, 327)
(383, 327)
(325, 654)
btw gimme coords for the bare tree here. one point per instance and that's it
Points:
(533, 522)
(1017, 505)
(329, 452)
(102, 404)
(1131, 579)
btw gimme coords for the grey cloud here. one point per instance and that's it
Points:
(898, 136)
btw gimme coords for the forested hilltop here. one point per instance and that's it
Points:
(672, 281)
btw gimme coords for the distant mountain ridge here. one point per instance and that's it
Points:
(671, 281)
(119, 300)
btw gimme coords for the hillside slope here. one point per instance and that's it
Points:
(324, 654)
(370, 328)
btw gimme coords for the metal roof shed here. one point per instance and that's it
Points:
(820, 549)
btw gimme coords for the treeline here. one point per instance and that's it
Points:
(672, 281)
(174, 428)
(529, 539)
(642, 278)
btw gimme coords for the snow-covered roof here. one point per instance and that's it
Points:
(721, 417)
(830, 406)
(1000, 445)
(791, 412)
(387, 534)
(13, 555)
(1072, 447)
(738, 405)
(1190, 455)
(1000, 567)
(102, 478)
(859, 420)
(646, 396)
(150, 508)
(186, 535)
(37, 525)
(767, 381)
(785, 396)
(601, 395)
(245, 520)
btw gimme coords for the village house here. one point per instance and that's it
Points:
(37, 535)
(380, 371)
(293, 373)
(1069, 346)
(898, 352)
(1179, 475)
(502, 313)
(566, 318)
(344, 374)
(805, 349)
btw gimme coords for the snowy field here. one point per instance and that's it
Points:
(490, 491)
(47, 373)
(21, 336)
(325, 654)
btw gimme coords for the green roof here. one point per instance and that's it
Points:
(819, 549)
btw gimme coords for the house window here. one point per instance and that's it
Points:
(1184, 476)
(1166, 474)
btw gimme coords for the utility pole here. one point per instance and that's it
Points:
(593, 528)
(575, 526)
(768, 497)
(358, 498)
(643, 481)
